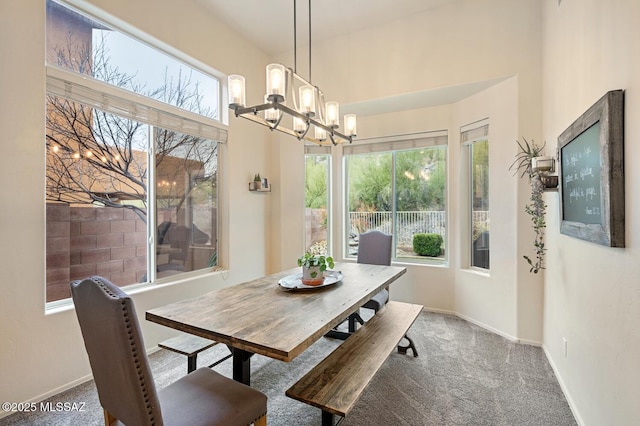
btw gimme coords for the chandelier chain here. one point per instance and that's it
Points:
(309, 41)
(295, 43)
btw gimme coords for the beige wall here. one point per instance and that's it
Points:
(592, 292)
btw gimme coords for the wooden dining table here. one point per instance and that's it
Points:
(261, 317)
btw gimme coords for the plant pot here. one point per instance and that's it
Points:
(550, 181)
(257, 184)
(312, 275)
(542, 164)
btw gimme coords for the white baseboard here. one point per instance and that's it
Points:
(489, 328)
(51, 393)
(439, 311)
(485, 326)
(63, 388)
(564, 388)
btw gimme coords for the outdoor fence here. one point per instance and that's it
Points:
(408, 223)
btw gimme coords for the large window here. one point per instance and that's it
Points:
(132, 158)
(398, 186)
(477, 142)
(317, 199)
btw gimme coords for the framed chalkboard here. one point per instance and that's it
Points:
(591, 158)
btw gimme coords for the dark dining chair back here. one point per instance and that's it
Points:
(374, 248)
(123, 377)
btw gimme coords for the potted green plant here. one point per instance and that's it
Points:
(526, 162)
(257, 182)
(313, 267)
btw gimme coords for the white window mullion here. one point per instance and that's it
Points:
(152, 225)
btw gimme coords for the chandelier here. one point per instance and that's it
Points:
(292, 104)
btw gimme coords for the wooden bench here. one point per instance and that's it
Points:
(337, 382)
(190, 345)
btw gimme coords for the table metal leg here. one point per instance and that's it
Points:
(343, 335)
(242, 366)
(327, 418)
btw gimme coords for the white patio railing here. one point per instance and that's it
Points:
(409, 223)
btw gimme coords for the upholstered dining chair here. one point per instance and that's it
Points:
(126, 389)
(375, 248)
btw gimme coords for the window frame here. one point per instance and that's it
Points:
(94, 93)
(394, 144)
(471, 134)
(316, 150)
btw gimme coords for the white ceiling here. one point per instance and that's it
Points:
(269, 23)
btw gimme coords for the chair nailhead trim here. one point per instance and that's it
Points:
(138, 364)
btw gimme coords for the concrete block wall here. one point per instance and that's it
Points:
(85, 241)
(315, 226)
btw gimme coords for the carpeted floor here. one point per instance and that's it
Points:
(464, 375)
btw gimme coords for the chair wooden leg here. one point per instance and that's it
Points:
(108, 418)
(262, 421)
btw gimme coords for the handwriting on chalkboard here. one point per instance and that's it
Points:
(581, 177)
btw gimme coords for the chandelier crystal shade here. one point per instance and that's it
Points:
(293, 105)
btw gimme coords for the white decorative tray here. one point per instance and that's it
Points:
(294, 282)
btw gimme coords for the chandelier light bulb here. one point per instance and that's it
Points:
(350, 125)
(236, 91)
(333, 114)
(320, 134)
(308, 100)
(276, 79)
(271, 114)
(299, 126)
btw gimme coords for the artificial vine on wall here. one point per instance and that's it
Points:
(536, 207)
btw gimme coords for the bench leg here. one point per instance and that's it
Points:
(192, 363)
(403, 349)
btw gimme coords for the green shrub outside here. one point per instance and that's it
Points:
(427, 244)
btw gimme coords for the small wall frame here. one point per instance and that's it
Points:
(591, 163)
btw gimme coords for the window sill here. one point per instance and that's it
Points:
(444, 263)
(64, 305)
(478, 271)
